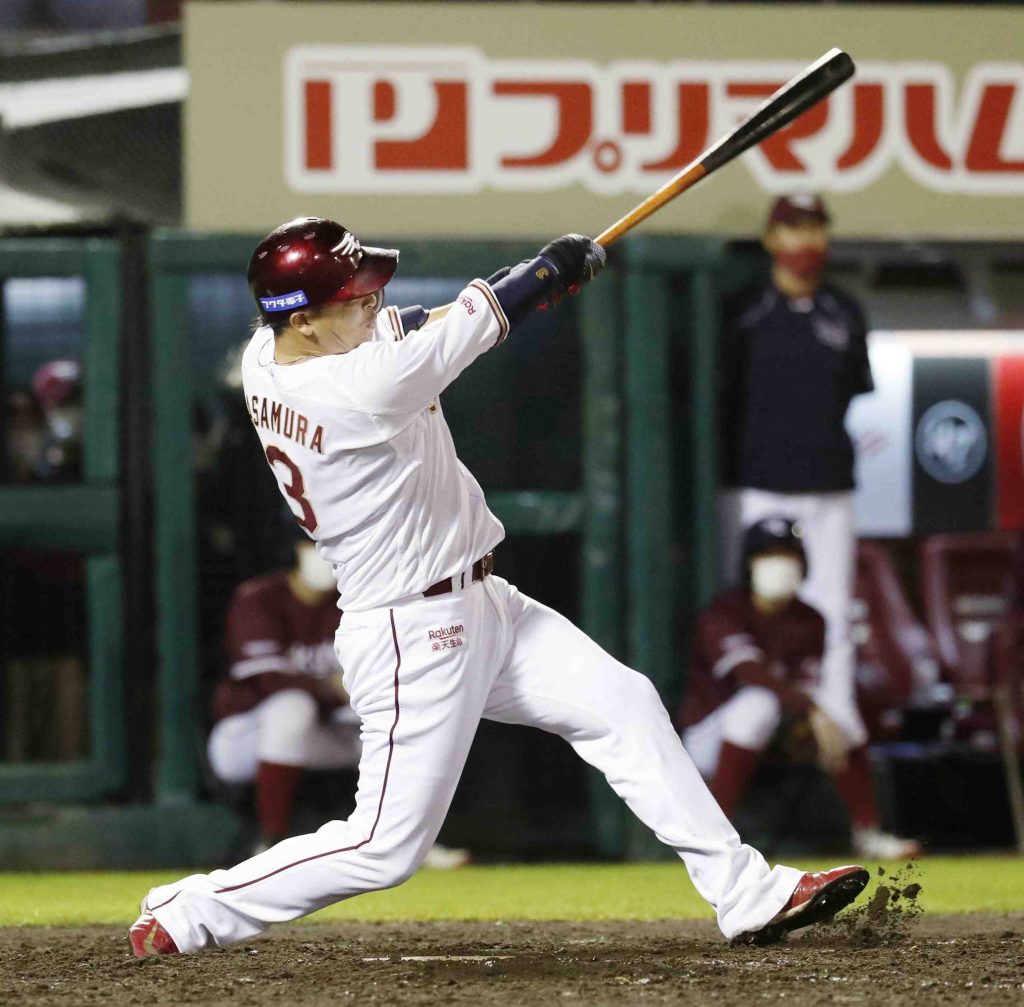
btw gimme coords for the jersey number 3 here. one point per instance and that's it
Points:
(296, 489)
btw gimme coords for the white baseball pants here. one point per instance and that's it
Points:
(420, 675)
(826, 520)
(285, 728)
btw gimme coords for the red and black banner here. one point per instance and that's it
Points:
(1008, 394)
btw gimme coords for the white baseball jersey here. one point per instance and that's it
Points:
(363, 454)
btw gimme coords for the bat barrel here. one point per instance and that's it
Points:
(794, 98)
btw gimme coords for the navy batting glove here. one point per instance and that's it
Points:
(577, 258)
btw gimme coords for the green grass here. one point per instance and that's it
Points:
(563, 891)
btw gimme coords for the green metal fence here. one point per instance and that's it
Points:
(672, 473)
(83, 517)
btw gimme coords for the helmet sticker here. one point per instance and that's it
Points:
(296, 299)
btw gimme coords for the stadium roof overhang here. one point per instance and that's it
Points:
(90, 128)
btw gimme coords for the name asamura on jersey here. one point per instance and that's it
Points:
(360, 448)
(286, 421)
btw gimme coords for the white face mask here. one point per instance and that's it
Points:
(316, 573)
(65, 422)
(776, 578)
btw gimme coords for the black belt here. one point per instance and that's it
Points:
(483, 567)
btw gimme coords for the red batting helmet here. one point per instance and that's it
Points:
(311, 262)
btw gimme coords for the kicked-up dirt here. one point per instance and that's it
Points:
(881, 953)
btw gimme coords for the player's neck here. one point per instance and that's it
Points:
(769, 606)
(789, 284)
(306, 594)
(291, 346)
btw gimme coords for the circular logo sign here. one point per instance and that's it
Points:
(951, 442)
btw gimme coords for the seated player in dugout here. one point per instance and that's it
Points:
(757, 668)
(281, 709)
(345, 399)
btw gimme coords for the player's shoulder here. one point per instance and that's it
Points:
(260, 344)
(806, 615)
(266, 589)
(732, 603)
(256, 354)
(751, 304)
(837, 300)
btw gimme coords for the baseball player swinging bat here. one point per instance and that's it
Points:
(791, 100)
(344, 399)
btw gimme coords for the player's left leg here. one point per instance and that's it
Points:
(856, 786)
(559, 680)
(419, 708)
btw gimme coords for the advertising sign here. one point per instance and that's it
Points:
(940, 442)
(546, 118)
(880, 426)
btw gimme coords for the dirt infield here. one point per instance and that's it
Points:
(938, 961)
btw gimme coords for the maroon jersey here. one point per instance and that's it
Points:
(737, 645)
(275, 641)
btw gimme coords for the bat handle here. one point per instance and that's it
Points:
(610, 235)
(680, 182)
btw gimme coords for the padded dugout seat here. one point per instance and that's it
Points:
(966, 587)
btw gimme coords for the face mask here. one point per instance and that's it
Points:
(65, 422)
(807, 263)
(316, 573)
(776, 578)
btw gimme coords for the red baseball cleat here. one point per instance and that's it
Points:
(816, 898)
(149, 938)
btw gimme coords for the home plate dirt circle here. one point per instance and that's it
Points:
(939, 960)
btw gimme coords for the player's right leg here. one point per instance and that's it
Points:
(420, 708)
(556, 678)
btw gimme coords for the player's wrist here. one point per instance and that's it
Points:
(526, 286)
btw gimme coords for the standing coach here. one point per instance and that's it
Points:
(795, 356)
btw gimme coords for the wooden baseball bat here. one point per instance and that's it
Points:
(794, 97)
